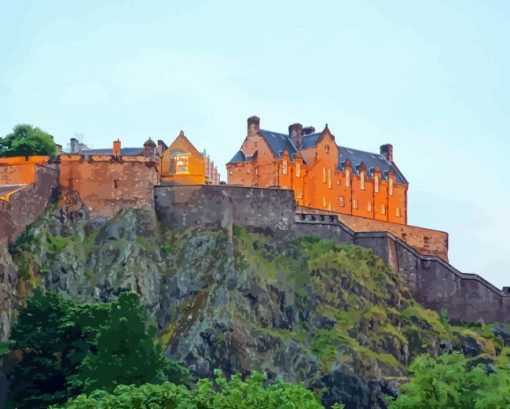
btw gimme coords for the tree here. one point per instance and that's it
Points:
(52, 335)
(449, 382)
(235, 393)
(125, 352)
(60, 341)
(26, 140)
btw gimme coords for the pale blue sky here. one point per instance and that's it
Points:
(431, 77)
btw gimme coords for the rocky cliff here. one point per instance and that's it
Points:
(334, 317)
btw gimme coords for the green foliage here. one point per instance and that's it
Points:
(26, 140)
(125, 352)
(235, 393)
(67, 348)
(57, 243)
(450, 382)
(54, 336)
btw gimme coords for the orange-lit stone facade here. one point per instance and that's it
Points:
(20, 170)
(182, 163)
(322, 174)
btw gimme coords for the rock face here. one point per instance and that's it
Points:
(334, 317)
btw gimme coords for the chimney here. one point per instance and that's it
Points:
(308, 130)
(387, 152)
(116, 148)
(74, 145)
(296, 134)
(253, 125)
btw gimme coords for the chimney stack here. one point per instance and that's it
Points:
(74, 145)
(387, 152)
(116, 148)
(308, 130)
(296, 134)
(253, 125)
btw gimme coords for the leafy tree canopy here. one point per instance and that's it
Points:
(209, 394)
(26, 140)
(64, 348)
(450, 382)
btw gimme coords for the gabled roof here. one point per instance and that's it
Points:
(279, 142)
(109, 151)
(238, 157)
(310, 141)
(371, 161)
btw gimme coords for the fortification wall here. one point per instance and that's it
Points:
(427, 241)
(107, 185)
(27, 204)
(431, 280)
(224, 205)
(20, 170)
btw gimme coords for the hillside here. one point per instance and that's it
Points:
(333, 316)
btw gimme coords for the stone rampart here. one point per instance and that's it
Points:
(25, 205)
(223, 205)
(431, 280)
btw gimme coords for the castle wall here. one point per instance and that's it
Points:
(27, 204)
(108, 185)
(432, 281)
(224, 205)
(20, 170)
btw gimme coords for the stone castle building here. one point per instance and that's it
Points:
(322, 174)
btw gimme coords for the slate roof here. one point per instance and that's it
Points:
(109, 151)
(371, 161)
(279, 142)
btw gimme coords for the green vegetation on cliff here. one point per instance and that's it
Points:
(332, 316)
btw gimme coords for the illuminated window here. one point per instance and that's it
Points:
(347, 177)
(256, 171)
(397, 212)
(181, 164)
(323, 175)
(362, 182)
(390, 187)
(284, 167)
(376, 184)
(369, 206)
(298, 169)
(354, 203)
(341, 201)
(383, 209)
(329, 178)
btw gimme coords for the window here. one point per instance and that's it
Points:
(376, 184)
(383, 209)
(324, 202)
(390, 187)
(256, 171)
(369, 206)
(341, 201)
(230, 172)
(397, 212)
(181, 164)
(426, 241)
(300, 194)
(347, 177)
(326, 148)
(298, 169)
(354, 203)
(285, 167)
(116, 184)
(323, 175)
(362, 181)
(329, 178)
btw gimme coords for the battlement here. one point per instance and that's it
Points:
(432, 281)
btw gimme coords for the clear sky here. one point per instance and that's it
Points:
(431, 77)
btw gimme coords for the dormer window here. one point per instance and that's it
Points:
(347, 177)
(362, 181)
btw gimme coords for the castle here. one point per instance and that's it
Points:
(293, 185)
